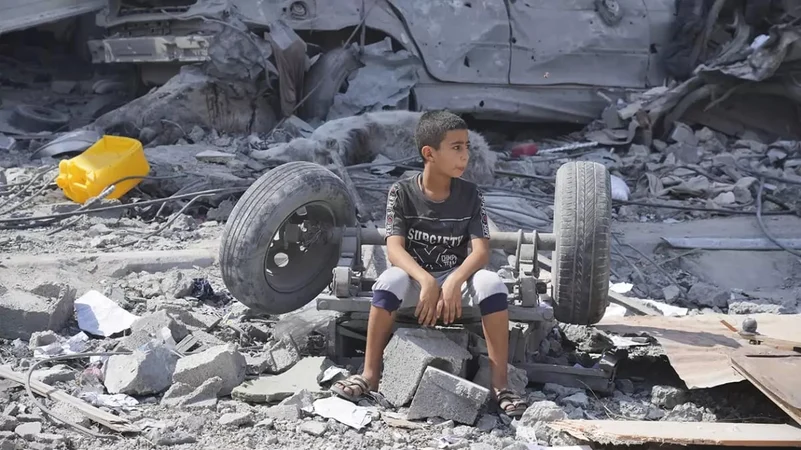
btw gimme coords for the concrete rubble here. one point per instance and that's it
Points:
(715, 145)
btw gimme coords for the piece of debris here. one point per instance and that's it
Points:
(274, 388)
(145, 372)
(442, 394)
(222, 361)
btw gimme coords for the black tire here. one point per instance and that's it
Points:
(324, 79)
(253, 223)
(38, 118)
(582, 224)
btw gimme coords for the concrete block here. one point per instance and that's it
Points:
(236, 419)
(445, 395)
(517, 379)
(23, 313)
(283, 412)
(223, 361)
(409, 353)
(142, 372)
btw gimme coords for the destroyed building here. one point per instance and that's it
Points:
(158, 288)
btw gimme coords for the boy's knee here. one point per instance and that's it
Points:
(491, 291)
(389, 289)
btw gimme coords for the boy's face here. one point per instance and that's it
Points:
(453, 154)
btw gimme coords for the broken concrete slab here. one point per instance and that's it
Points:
(24, 313)
(184, 395)
(256, 365)
(313, 428)
(176, 285)
(442, 394)
(42, 338)
(409, 353)
(222, 361)
(55, 374)
(517, 379)
(274, 388)
(144, 372)
(149, 327)
(236, 419)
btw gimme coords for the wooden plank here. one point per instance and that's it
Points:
(776, 377)
(624, 432)
(111, 421)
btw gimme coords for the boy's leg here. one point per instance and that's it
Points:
(388, 292)
(487, 288)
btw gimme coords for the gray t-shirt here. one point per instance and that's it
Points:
(437, 233)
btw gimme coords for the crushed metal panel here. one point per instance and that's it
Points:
(461, 41)
(699, 347)
(21, 14)
(568, 104)
(150, 49)
(567, 42)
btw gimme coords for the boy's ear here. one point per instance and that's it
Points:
(427, 151)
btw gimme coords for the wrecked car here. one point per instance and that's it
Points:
(534, 61)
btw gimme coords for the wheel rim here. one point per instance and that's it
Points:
(302, 248)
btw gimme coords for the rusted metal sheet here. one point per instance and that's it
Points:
(699, 347)
(21, 14)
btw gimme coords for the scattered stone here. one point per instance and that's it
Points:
(283, 412)
(487, 423)
(50, 438)
(222, 361)
(176, 285)
(204, 396)
(41, 339)
(8, 423)
(282, 356)
(314, 428)
(409, 353)
(725, 199)
(517, 379)
(684, 153)
(274, 388)
(742, 190)
(266, 423)
(684, 134)
(64, 409)
(142, 372)
(578, 400)
(625, 385)
(28, 430)
(559, 391)
(303, 399)
(55, 374)
(236, 419)
(23, 313)
(586, 339)
(150, 326)
(442, 394)
(533, 421)
(688, 412)
(221, 212)
(667, 396)
(256, 365)
(705, 294)
(671, 293)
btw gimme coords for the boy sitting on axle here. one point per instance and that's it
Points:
(431, 219)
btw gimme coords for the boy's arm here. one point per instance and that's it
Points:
(396, 228)
(479, 240)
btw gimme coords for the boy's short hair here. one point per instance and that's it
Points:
(432, 128)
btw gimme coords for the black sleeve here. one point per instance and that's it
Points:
(479, 222)
(395, 222)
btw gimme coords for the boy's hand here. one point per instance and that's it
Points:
(451, 300)
(426, 311)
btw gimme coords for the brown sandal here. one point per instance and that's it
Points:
(357, 385)
(511, 404)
